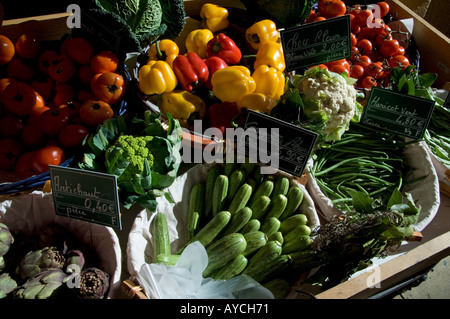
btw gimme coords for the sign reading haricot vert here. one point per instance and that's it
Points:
(406, 115)
(316, 42)
(292, 145)
(85, 195)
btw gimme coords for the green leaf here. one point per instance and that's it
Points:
(427, 79)
(396, 198)
(362, 202)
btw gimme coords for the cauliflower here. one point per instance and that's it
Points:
(328, 98)
(134, 158)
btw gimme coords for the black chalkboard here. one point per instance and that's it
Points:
(406, 115)
(317, 42)
(85, 195)
(275, 142)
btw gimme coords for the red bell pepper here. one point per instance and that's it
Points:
(190, 70)
(221, 115)
(213, 63)
(223, 47)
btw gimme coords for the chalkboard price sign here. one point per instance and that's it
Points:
(406, 115)
(271, 141)
(317, 42)
(85, 195)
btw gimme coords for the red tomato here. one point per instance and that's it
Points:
(95, 112)
(80, 50)
(62, 68)
(105, 61)
(384, 8)
(357, 71)
(353, 39)
(399, 61)
(338, 68)
(72, 135)
(53, 120)
(63, 93)
(4, 82)
(19, 98)
(28, 46)
(10, 150)
(335, 8)
(311, 17)
(368, 82)
(43, 86)
(85, 73)
(375, 70)
(362, 17)
(365, 46)
(35, 114)
(20, 70)
(7, 50)
(109, 87)
(389, 48)
(32, 135)
(73, 107)
(45, 156)
(45, 59)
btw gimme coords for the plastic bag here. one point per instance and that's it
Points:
(185, 281)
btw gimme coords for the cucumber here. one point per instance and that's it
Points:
(219, 194)
(305, 259)
(238, 221)
(211, 177)
(255, 240)
(295, 198)
(277, 236)
(208, 232)
(167, 259)
(281, 186)
(160, 235)
(278, 287)
(270, 226)
(224, 250)
(237, 178)
(264, 189)
(196, 208)
(271, 250)
(240, 199)
(293, 221)
(268, 269)
(232, 268)
(277, 206)
(260, 206)
(252, 225)
(300, 230)
(296, 244)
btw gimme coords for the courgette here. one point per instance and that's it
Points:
(293, 221)
(277, 206)
(300, 230)
(219, 194)
(240, 199)
(237, 178)
(238, 221)
(270, 226)
(232, 268)
(211, 177)
(196, 208)
(252, 225)
(296, 244)
(224, 250)
(268, 269)
(229, 167)
(277, 236)
(208, 232)
(255, 240)
(160, 235)
(278, 287)
(264, 189)
(260, 206)
(281, 186)
(295, 198)
(269, 251)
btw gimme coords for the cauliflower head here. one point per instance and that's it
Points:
(328, 98)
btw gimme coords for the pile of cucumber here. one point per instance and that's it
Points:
(249, 223)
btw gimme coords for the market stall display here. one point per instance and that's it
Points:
(201, 70)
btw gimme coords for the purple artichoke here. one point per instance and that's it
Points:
(94, 284)
(42, 285)
(35, 261)
(7, 284)
(6, 239)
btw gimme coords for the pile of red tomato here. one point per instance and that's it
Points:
(51, 96)
(374, 50)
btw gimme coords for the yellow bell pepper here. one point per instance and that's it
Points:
(231, 83)
(214, 17)
(197, 40)
(270, 53)
(269, 81)
(156, 77)
(257, 102)
(165, 49)
(261, 32)
(183, 106)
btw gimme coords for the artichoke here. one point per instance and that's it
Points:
(74, 257)
(42, 285)
(6, 239)
(94, 284)
(7, 284)
(2, 263)
(35, 261)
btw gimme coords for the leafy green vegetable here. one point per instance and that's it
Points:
(145, 20)
(140, 152)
